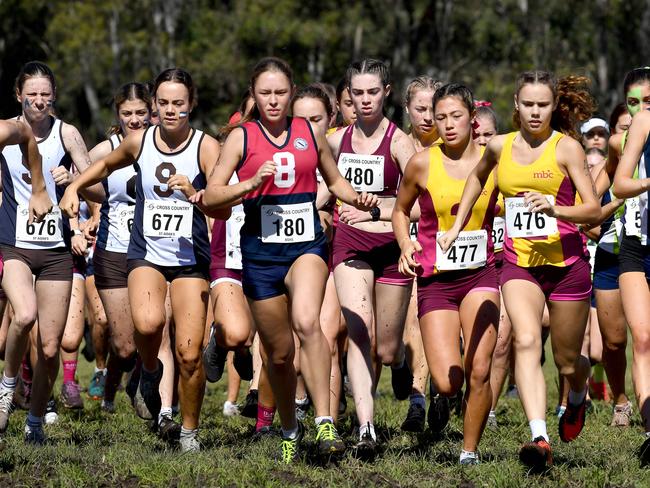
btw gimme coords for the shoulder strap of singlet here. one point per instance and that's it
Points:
(384, 146)
(506, 150)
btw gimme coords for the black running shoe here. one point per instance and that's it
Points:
(644, 453)
(290, 448)
(243, 363)
(366, 448)
(402, 381)
(214, 358)
(438, 415)
(415, 419)
(149, 385)
(168, 429)
(249, 409)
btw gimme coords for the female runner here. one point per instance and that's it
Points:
(284, 249)
(632, 180)
(539, 172)
(169, 241)
(41, 250)
(457, 291)
(372, 153)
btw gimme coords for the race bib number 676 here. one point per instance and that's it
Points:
(50, 229)
(522, 222)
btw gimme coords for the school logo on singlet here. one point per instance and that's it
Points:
(300, 144)
(543, 175)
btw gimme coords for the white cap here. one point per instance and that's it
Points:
(592, 124)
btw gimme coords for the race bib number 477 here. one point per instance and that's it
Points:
(521, 222)
(469, 250)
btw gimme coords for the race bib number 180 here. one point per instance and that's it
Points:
(286, 224)
(521, 222)
(167, 218)
(50, 229)
(469, 250)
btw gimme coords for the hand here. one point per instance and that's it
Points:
(182, 184)
(39, 206)
(539, 203)
(267, 169)
(446, 240)
(351, 215)
(406, 263)
(89, 228)
(79, 245)
(69, 204)
(62, 177)
(197, 198)
(366, 201)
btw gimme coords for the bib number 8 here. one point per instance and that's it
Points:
(286, 175)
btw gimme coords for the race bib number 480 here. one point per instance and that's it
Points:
(50, 229)
(469, 250)
(521, 222)
(365, 173)
(167, 218)
(286, 224)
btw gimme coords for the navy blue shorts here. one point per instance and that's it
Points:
(606, 270)
(265, 279)
(634, 257)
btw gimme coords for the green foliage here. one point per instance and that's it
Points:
(95, 46)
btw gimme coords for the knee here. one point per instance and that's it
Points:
(23, 320)
(450, 383)
(188, 359)
(480, 373)
(306, 326)
(50, 350)
(527, 342)
(387, 353)
(280, 358)
(641, 343)
(149, 323)
(234, 337)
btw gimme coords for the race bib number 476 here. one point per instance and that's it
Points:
(521, 222)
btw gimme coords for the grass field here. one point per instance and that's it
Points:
(98, 449)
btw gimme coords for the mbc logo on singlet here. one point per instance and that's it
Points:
(543, 175)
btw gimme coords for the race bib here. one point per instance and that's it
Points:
(365, 173)
(123, 219)
(498, 233)
(413, 230)
(167, 218)
(469, 250)
(286, 224)
(233, 228)
(50, 229)
(632, 217)
(521, 222)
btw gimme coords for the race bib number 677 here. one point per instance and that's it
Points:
(521, 222)
(167, 218)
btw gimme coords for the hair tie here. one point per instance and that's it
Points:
(482, 103)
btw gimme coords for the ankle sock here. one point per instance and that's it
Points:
(367, 427)
(185, 433)
(418, 399)
(538, 429)
(8, 383)
(69, 370)
(290, 434)
(318, 420)
(265, 417)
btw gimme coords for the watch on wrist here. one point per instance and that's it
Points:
(77, 232)
(375, 213)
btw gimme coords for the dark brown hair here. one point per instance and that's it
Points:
(130, 91)
(368, 66)
(177, 75)
(457, 90)
(574, 100)
(34, 69)
(314, 90)
(619, 110)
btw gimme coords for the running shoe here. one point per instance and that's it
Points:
(97, 384)
(263, 433)
(290, 448)
(512, 392)
(243, 362)
(108, 406)
(644, 452)
(366, 448)
(598, 390)
(149, 385)
(214, 358)
(230, 409)
(71, 395)
(34, 435)
(572, 421)
(302, 408)
(438, 415)
(401, 381)
(190, 444)
(51, 413)
(249, 410)
(23, 394)
(415, 419)
(6, 408)
(492, 421)
(622, 415)
(168, 429)
(469, 459)
(536, 454)
(328, 439)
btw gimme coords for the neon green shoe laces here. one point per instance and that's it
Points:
(326, 432)
(289, 450)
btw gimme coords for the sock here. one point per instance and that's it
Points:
(8, 383)
(290, 434)
(538, 429)
(576, 398)
(264, 417)
(418, 399)
(400, 365)
(367, 427)
(33, 421)
(467, 455)
(98, 370)
(492, 414)
(647, 435)
(69, 370)
(164, 411)
(318, 420)
(302, 401)
(185, 433)
(598, 373)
